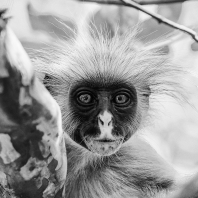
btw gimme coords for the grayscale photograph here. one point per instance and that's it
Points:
(98, 98)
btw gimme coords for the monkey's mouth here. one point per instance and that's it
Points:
(104, 147)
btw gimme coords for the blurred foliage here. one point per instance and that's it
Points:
(33, 154)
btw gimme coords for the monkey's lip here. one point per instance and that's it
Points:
(103, 147)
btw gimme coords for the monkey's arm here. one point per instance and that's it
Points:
(32, 148)
(145, 169)
(146, 163)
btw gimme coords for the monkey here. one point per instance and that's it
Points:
(107, 90)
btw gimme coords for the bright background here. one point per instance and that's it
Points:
(175, 133)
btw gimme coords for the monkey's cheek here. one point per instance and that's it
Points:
(103, 148)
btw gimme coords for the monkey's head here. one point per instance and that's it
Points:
(107, 113)
(104, 88)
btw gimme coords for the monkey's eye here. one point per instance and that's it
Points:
(122, 99)
(85, 99)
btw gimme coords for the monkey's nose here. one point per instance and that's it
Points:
(103, 123)
(105, 119)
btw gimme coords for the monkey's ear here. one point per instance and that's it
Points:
(147, 91)
(47, 78)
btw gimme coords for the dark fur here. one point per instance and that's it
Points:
(136, 170)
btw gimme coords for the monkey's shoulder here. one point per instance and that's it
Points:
(134, 171)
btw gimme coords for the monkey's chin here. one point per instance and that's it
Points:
(103, 147)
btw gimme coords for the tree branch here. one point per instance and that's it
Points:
(162, 19)
(141, 2)
(159, 18)
(150, 2)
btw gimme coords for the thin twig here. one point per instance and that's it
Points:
(149, 2)
(141, 2)
(162, 19)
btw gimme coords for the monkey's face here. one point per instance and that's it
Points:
(104, 114)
